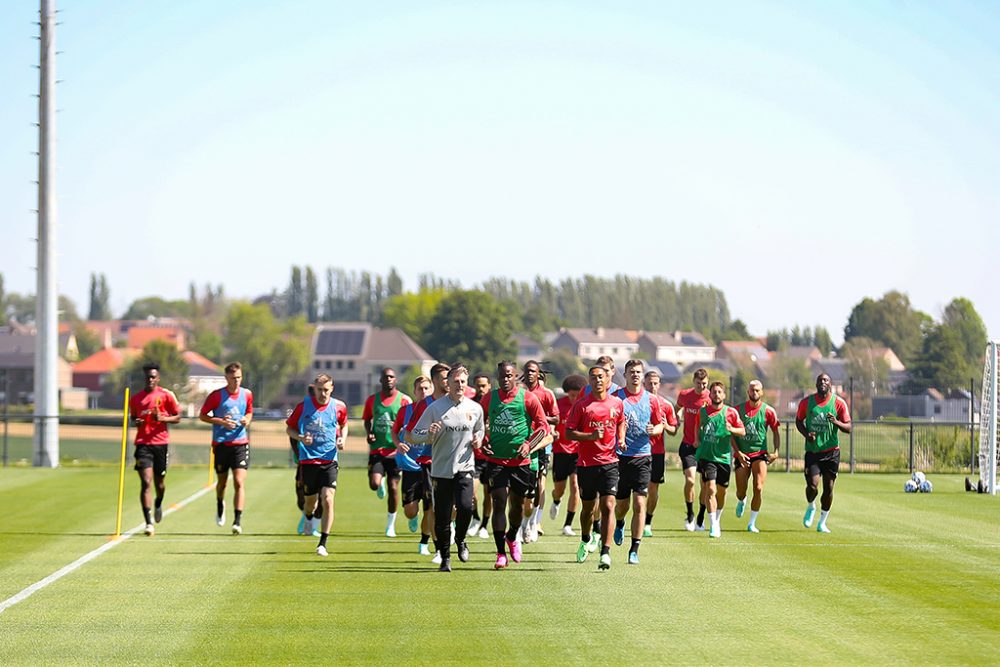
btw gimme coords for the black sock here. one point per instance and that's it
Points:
(649, 519)
(158, 502)
(569, 518)
(236, 517)
(635, 546)
(619, 523)
(596, 527)
(585, 538)
(690, 508)
(322, 539)
(486, 520)
(498, 538)
(475, 513)
(512, 533)
(424, 538)
(318, 512)
(145, 513)
(701, 515)
(220, 506)
(605, 550)
(309, 517)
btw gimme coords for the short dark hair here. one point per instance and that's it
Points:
(700, 374)
(717, 384)
(322, 378)
(652, 372)
(632, 363)
(477, 376)
(574, 383)
(233, 367)
(439, 367)
(151, 366)
(605, 360)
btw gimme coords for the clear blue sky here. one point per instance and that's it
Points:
(800, 156)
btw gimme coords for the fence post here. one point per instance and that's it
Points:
(788, 447)
(911, 448)
(6, 401)
(851, 434)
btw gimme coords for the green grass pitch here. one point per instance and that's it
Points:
(902, 579)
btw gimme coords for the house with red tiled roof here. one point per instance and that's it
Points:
(204, 375)
(90, 373)
(140, 336)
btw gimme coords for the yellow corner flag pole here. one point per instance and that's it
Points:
(121, 469)
(211, 463)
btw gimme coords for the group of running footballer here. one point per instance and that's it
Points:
(460, 439)
(462, 444)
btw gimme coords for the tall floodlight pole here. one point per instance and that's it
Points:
(46, 439)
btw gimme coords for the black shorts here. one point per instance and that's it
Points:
(659, 467)
(231, 457)
(633, 476)
(416, 486)
(543, 463)
(156, 457)
(316, 476)
(519, 479)
(710, 470)
(598, 480)
(825, 463)
(758, 456)
(688, 457)
(383, 465)
(563, 465)
(480, 472)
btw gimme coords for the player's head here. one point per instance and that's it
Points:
(608, 364)
(633, 372)
(422, 387)
(234, 375)
(506, 375)
(323, 386)
(700, 379)
(823, 384)
(599, 378)
(439, 378)
(573, 385)
(481, 383)
(151, 373)
(458, 380)
(388, 380)
(717, 393)
(532, 372)
(755, 390)
(651, 381)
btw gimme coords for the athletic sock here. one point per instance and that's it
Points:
(158, 502)
(823, 514)
(537, 517)
(145, 513)
(309, 517)
(424, 538)
(498, 538)
(701, 515)
(475, 512)
(649, 519)
(512, 533)
(585, 538)
(690, 508)
(569, 518)
(605, 550)
(237, 515)
(596, 527)
(718, 515)
(390, 519)
(619, 523)
(753, 517)
(486, 520)
(555, 503)
(220, 506)
(322, 539)
(635, 546)
(714, 519)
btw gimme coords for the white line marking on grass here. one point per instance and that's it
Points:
(59, 574)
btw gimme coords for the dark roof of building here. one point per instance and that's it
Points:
(669, 372)
(17, 350)
(675, 338)
(360, 339)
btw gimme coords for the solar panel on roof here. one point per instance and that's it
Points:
(340, 341)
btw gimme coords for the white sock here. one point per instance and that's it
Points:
(714, 520)
(718, 515)
(742, 500)
(537, 518)
(812, 504)
(390, 518)
(823, 514)
(753, 517)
